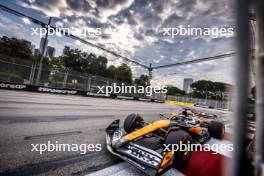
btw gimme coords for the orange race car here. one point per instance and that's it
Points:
(179, 128)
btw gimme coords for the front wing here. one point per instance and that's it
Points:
(146, 160)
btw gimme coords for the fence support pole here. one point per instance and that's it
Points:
(242, 82)
(260, 88)
(43, 53)
(31, 73)
(65, 78)
(89, 83)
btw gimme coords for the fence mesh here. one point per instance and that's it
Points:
(26, 74)
(203, 102)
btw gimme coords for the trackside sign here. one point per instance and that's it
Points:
(53, 90)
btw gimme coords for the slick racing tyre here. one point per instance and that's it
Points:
(216, 129)
(132, 122)
(179, 139)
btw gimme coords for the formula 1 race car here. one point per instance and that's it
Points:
(179, 128)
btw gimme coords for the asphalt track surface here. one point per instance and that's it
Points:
(34, 118)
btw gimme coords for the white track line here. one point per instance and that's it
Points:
(126, 169)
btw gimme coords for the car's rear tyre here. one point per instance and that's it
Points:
(132, 122)
(179, 138)
(217, 129)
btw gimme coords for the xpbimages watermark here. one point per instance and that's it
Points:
(62, 147)
(123, 89)
(214, 32)
(181, 30)
(215, 148)
(81, 32)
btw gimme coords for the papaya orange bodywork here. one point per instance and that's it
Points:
(147, 129)
(167, 160)
(196, 130)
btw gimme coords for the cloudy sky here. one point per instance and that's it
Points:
(133, 28)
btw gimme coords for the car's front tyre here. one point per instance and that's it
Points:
(133, 122)
(181, 141)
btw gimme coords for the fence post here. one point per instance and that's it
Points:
(65, 77)
(238, 162)
(43, 53)
(32, 71)
(260, 89)
(30, 75)
(88, 86)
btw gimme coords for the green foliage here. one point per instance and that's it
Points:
(143, 80)
(209, 89)
(9, 76)
(210, 86)
(172, 90)
(57, 63)
(86, 63)
(15, 48)
(112, 72)
(75, 60)
(83, 62)
(45, 67)
(124, 73)
(17, 51)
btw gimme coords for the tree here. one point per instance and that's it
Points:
(102, 65)
(16, 48)
(209, 89)
(98, 65)
(210, 86)
(72, 59)
(45, 67)
(84, 62)
(112, 72)
(143, 80)
(91, 64)
(172, 90)
(15, 51)
(57, 63)
(124, 73)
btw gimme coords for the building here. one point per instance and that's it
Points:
(41, 46)
(33, 47)
(187, 84)
(36, 52)
(50, 52)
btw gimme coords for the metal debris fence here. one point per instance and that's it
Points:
(66, 79)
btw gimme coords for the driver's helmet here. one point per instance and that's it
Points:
(175, 114)
(189, 112)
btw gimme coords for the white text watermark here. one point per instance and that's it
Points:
(61, 147)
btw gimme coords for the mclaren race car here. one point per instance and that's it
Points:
(179, 128)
